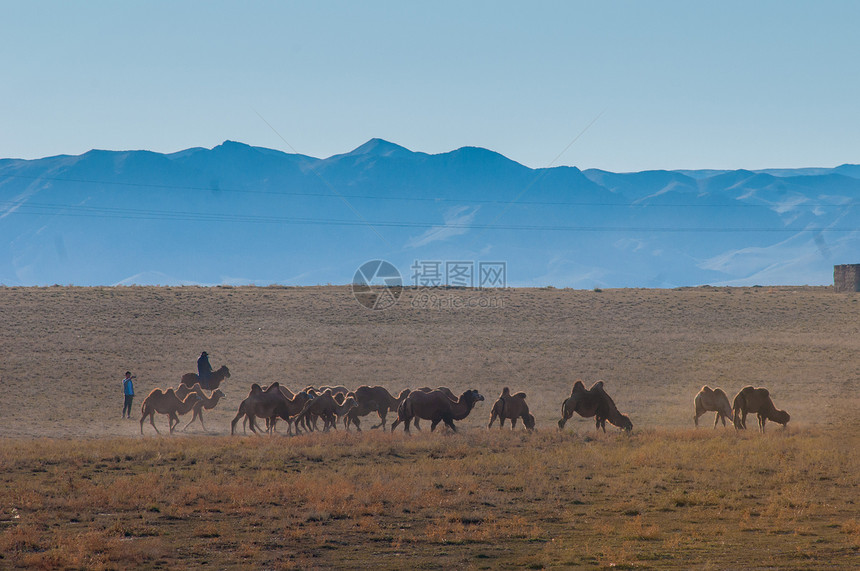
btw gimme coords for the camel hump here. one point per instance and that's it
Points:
(519, 395)
(597, 385)
(170, 391)
(706, 389)
(506, 392)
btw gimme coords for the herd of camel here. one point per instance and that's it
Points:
(303, 410)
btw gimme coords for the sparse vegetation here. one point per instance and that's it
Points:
(80, 490)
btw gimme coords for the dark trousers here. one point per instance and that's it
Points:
(127, 405)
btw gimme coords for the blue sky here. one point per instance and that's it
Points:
(661, 84)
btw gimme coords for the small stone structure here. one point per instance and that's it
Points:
(846, 277)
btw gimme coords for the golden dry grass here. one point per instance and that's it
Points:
(82, 489)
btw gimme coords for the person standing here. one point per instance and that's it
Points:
(128, 391)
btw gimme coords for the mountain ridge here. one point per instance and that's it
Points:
(211, 216)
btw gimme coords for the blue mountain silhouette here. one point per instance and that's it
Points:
(237, 214)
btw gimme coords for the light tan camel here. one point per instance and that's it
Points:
(207, 403)
(165, 402)
(511, 407)
(436, 407)
(757, 400)
(594, 402)
(326, 407)
(373, 399)
(713, 400)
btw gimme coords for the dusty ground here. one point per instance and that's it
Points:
(63, 350)
(82, 489)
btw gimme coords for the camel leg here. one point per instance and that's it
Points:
(434, 423)
(381, 421)
(450, 423)
(513, 423)
(717, 419)
(152, 422)
(193, 418)
(492, 419)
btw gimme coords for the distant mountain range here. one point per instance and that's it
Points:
(237, 214)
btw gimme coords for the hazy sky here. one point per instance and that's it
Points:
(661, 84)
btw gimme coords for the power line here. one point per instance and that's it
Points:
(131, 214)
(435, 199)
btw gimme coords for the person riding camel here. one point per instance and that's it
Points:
(204, 369)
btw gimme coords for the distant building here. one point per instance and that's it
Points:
(846, 277)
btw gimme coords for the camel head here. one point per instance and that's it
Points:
(218, 393)
(625, 423)
(529, 421)
(780, 417)
(474, 396)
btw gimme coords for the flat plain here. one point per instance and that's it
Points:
(83, 489)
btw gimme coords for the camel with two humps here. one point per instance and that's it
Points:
(212, 383)
(511, 407)
(207, 402)
(326, 407)
(758, 401)
(713, 400)
(436, 407)
(166, 402)
(260, 403)
(373, 399)
(448, 393)
(594, 402)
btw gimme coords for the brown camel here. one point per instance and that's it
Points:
(594, 402)
(259, 404)
(165, 402)
(326, 407)
(212, 383)
(712, 400)
(373, 399)
(511, 407)
(757, 400)
(436, 407)
(448, 392)
(290, 409)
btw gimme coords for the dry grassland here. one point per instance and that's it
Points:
(82, 489)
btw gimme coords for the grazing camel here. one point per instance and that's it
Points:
(757, 400)
(436, 407)
(511, 407)
(593, 402)
(326, 407)
(259, 404)
(373, 399)
(212, 383)
(712, 400)
(165, 402)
